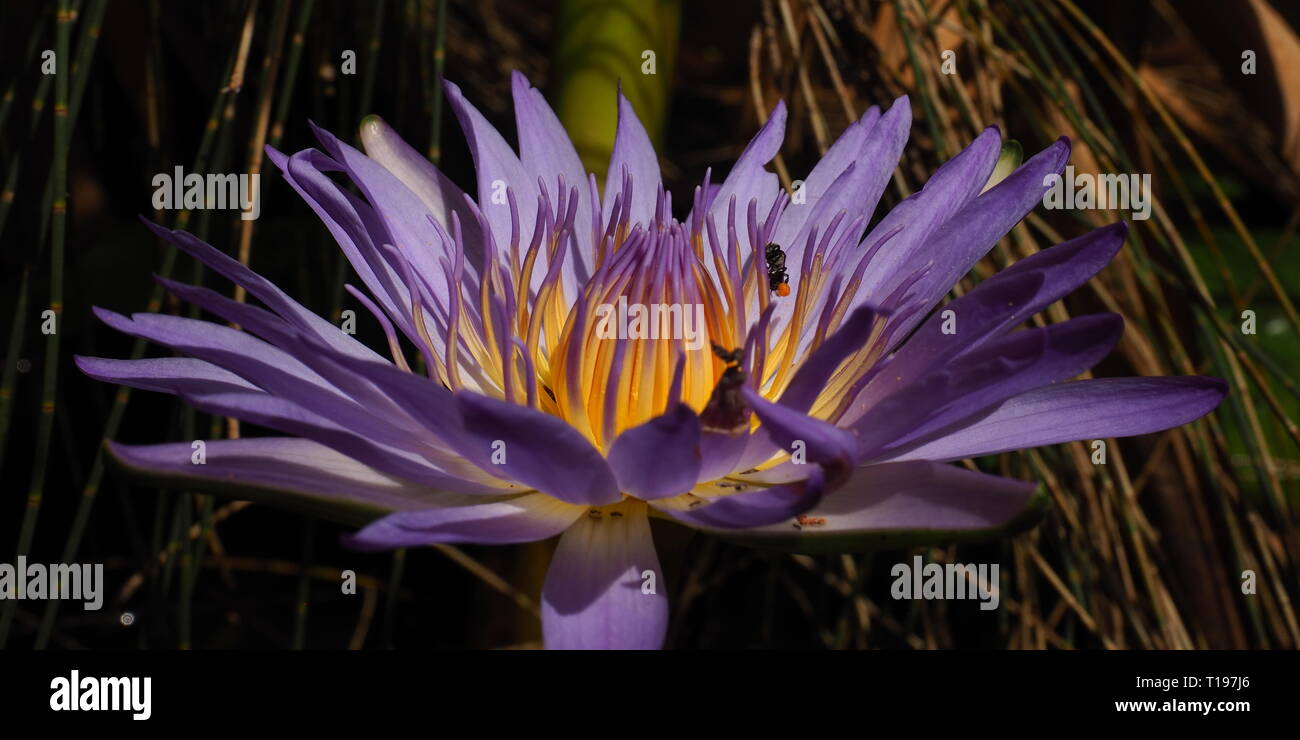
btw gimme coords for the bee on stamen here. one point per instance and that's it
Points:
(778, 279)
(725, 411)
(731, 357)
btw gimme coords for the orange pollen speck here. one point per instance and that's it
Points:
(783, 289)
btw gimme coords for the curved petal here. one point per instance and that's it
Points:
(439, 194)
(849, 150)
(986, 377)
(749, 180)
(904, 503)
(633, 152)
(659, 458)
(290, 472)
(546, 152)
(497, 164)
(349, 220)
(163, 374)
(995, 306)
(1067, 412)
(956, 246)
(526, 518)
(538, 450)
(285, 416)
(605, 589)
(937, 203)
(264, 290)
(816, 370)
(823, 443)
(748, 509)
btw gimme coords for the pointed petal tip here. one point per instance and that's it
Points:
(155, 227)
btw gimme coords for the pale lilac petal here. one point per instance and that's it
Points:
(633, 154)
(857, 195)
(440, 195)
(751, 508)
(1082, 410)
(339, 433)
(849, 150)
(404, 216)
(605, 589)
(164, 374)
(749, 180)
(897, 498)
(289, 464)
(348, 219)
(264, 290)
(497, 165)
(526, 518)
(547, 152)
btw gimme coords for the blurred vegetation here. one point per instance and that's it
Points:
(1145, 551)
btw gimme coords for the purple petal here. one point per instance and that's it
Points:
(822, 442)
(284, 416)
(991, 374)
(349, 220)
(659, 458)
(972, 232)
(605, 589)
(850, 149)
(546, 151)
(633, 152)
(855, 193)
(495, 161)
(264, 290)
(404, 216)
(439, 194)
(749, 509)
(164, 374)
(939, 202)
(906, 496)
(539, 450)
(526, 518)
(299, 466)
(1085, 409)
(994, 306)
(816, 370)
(749, 180)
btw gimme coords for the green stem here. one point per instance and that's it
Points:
(49, 392)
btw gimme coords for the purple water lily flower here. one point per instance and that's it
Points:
(817, 405)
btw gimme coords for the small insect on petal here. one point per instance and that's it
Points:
(778, 278)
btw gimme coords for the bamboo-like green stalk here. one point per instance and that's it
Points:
(33, 46)
(8, 194)
(294, 57)
(87, 40)
(49, 391)
(122, 397)
(17, 331)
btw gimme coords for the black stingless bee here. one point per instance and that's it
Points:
(777, 277)
(725, 411)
